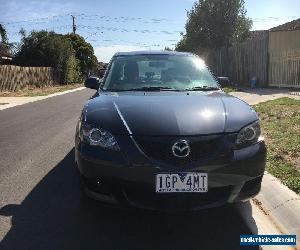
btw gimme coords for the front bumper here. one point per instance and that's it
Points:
(129, 179)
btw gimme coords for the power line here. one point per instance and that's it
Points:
(115, 29)
(44, 19)
(96, 33)
(91, 17)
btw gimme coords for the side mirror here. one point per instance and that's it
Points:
(92, 83)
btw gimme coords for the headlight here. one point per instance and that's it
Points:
(95, 136)
(248, 135)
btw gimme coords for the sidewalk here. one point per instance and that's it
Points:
(8, 102)
(255, 96)
(275, 200)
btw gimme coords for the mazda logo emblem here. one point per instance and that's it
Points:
(181, 149)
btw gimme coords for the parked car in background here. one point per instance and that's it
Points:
(224, 81)
(160, 134)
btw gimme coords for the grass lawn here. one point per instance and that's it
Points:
(41, 91)
(280, 121)
(230, 89)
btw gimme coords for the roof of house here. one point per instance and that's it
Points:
(293, 25)
(3, 51)
(4, 54)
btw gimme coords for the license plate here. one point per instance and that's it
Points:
(181, 183)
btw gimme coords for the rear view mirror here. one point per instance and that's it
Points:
(157, 64)
(92, 83)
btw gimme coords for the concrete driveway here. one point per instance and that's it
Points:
(255, 96)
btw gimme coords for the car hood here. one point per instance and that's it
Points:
(169, 113)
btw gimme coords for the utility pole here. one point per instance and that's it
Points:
(74, 26)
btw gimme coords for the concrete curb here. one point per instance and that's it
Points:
(16, 101)
(278, 202)
(281, 204)
(260, 223)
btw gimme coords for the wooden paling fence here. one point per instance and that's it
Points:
(284, 69)
(14, 78)
(243, 61)
(272, 57)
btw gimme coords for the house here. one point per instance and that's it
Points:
(5, 56)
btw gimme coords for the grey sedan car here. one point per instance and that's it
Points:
(161, 134)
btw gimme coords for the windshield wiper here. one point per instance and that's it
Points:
(203, 88)
(153, 88)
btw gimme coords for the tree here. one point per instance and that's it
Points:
(4, 47)
(84, 52)
(213, 24)
(3, 34)
(167, 49)
(69, 54)
(48, 49)
(22, 32)
(72, 71)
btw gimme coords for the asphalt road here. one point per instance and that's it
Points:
(42, 207)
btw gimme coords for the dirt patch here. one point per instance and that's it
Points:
(259, 205)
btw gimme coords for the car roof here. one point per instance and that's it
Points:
(152, 52)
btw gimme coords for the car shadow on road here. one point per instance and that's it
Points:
(55, 215)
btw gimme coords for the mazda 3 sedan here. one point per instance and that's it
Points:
(161, 134)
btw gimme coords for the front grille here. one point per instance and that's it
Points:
(160, 148)
(144, 196)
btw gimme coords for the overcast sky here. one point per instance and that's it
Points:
(124, 25)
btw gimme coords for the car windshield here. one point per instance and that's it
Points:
(159, 72)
